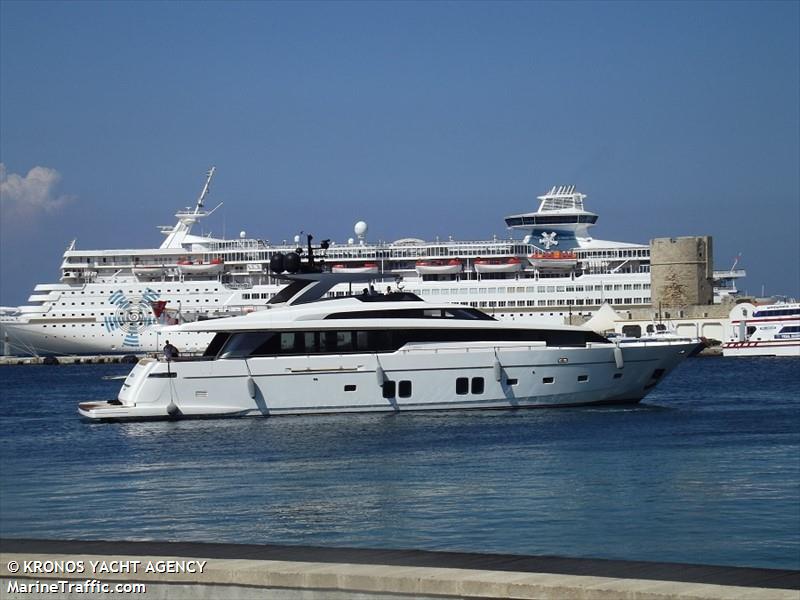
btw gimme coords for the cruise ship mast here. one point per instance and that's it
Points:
(177, 234)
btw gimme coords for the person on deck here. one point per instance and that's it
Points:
(170, 351)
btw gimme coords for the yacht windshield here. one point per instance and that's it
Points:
(288, 292)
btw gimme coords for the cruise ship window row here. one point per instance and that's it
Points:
(533, 289)
(532, 221)
(281, 343)
(554, 302)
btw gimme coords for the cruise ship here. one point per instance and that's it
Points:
(550, 268)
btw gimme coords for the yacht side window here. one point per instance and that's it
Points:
(288, 341)
(344, 341)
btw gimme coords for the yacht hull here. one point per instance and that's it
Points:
(765, 348)
(507, 376)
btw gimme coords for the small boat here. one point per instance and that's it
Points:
(553, 260)
(439, 267)
(764, 330)
(355, 268)
(487, 265)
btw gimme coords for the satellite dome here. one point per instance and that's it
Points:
(360, 229)
(242, 234)
(297, 239)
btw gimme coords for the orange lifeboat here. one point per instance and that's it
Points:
(553, 260)
(368, 267)
(439, 267)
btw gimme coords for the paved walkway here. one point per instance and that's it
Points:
(286, 572)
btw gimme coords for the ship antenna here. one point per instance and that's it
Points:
(206, 189)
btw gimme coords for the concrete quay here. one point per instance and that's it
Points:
(311, 573)
(70, 360)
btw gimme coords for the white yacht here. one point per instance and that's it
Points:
(764, 330)
(117, 301)
(375, 352)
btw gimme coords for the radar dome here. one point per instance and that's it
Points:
(360, 229)
(242, 234)
(297, 239)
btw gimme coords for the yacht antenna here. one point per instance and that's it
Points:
(205, 191)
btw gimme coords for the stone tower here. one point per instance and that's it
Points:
(681, 271)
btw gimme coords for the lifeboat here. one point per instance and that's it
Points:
(485, 265)
(70, 275)
(148, 271)
(355, 268)
(439, 267)
(553, 260)
(213, 266)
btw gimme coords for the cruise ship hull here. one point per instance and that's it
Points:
(415, 378)
(26, 339)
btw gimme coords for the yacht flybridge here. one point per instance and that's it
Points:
(118, 301)
(389, 352)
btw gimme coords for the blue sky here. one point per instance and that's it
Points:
(423, 119)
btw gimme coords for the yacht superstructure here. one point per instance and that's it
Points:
(119, 300)
(389, 352)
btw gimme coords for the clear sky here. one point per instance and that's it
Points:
(423, 118)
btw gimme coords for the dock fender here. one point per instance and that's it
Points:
(252, 387)
(172, 408)
(497, 368)
(380, 374)
(618, 359)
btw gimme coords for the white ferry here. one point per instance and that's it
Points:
(391, 352)
(116, 301)
(764, 330)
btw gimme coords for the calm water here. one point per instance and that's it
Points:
(707, 471)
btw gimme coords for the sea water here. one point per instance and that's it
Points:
(705, 470)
